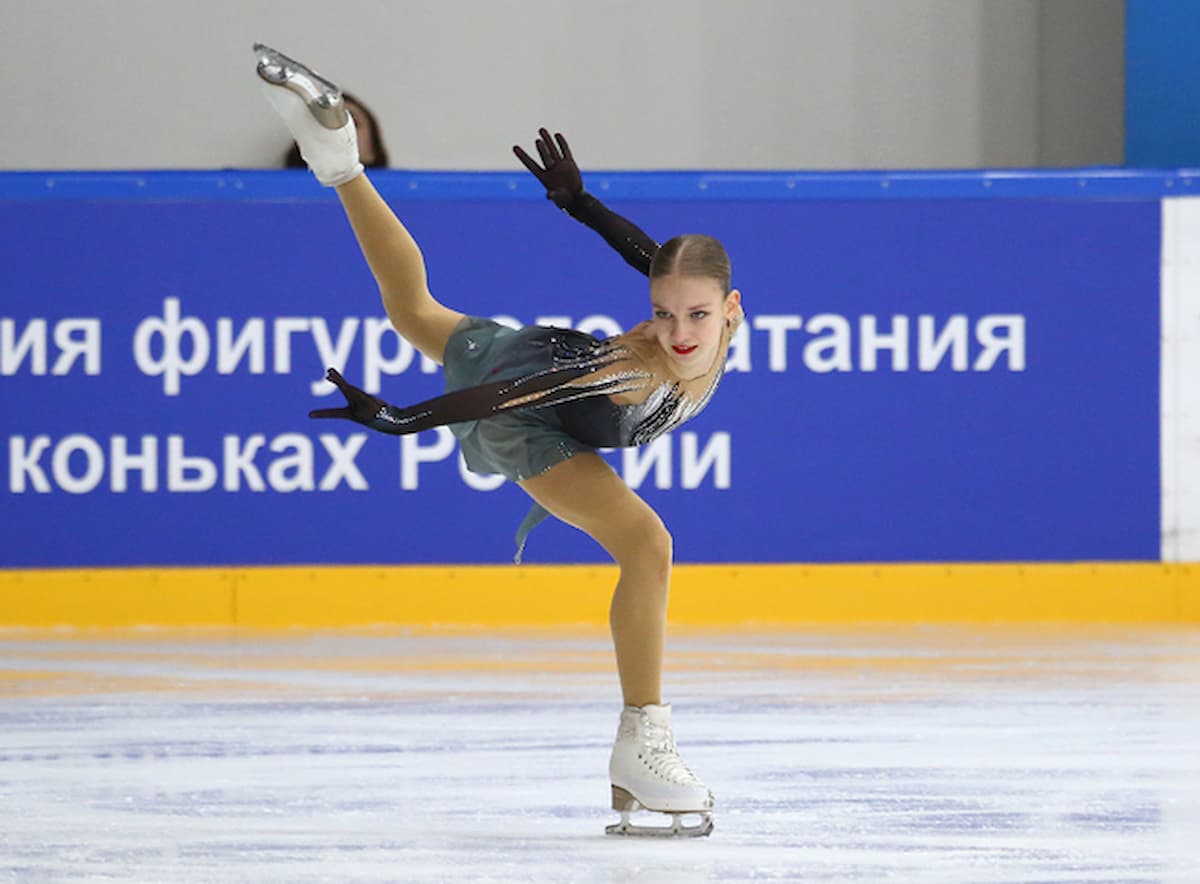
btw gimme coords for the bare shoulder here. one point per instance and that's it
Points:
(639, 340)
(637, 336)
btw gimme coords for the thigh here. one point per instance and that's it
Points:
(427, 327)
(585, 492)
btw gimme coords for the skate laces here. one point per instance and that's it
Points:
(659, 745)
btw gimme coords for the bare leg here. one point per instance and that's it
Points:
(311, 108)
(584, 491)
(399, 269)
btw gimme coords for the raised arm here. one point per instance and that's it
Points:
(564, 185)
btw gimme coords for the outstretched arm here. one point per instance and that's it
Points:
(560, 176)
(471, 403)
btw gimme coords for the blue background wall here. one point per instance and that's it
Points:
(1162, 83)
(1053, 460)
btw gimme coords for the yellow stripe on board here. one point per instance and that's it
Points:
(540, 595)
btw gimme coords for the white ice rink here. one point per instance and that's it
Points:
(901, 755)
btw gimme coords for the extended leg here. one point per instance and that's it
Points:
(311, 107)
(399, 269)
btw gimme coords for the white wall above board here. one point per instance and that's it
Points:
(673, 84)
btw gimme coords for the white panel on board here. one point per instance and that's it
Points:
(1180, 391)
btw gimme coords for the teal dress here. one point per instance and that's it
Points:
(521, 401)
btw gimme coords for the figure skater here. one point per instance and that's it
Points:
(534, 405)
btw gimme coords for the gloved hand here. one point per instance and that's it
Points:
(558, 172)
(361, 406)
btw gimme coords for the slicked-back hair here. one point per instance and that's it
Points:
(693, 254)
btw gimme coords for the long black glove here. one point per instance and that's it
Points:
(559, 174)
(538, 390)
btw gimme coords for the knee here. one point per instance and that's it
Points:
(649, 550)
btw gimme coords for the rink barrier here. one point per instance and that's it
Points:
(963, 454)
(720, 596)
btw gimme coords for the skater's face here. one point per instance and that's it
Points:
(690, 313)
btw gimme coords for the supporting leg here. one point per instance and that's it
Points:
(645, 768)
(584, 491)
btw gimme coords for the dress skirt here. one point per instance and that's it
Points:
(517, 444)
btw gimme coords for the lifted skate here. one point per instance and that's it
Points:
(314, 112)
(627, 804)
(323, 98)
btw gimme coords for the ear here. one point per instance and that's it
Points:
(733, 305)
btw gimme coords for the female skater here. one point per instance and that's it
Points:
(534, 405)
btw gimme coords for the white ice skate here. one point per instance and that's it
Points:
(314, 112)
(647, 774)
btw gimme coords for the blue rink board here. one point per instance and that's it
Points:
(1055, 461)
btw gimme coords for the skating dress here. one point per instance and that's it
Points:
(523, 400)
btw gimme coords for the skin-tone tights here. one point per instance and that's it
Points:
(583, 491)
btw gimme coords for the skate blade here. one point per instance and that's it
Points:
(627, 804)
(322, 97)
(677, 829)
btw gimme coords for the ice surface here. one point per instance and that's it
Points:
(905, 755)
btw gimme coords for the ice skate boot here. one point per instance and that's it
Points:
(314, 112)
(647, 774)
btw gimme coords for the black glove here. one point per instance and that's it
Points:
(361, 407)
(558, 172)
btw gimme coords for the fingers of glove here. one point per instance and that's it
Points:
(547, 155)
(352, 393)
(563, 147)
(354, 396)
(530, 163)
(549, 142)
(321, 413)
(335, 378)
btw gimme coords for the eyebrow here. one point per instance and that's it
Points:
(688, 309)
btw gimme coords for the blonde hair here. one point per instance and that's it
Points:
(693, 254)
